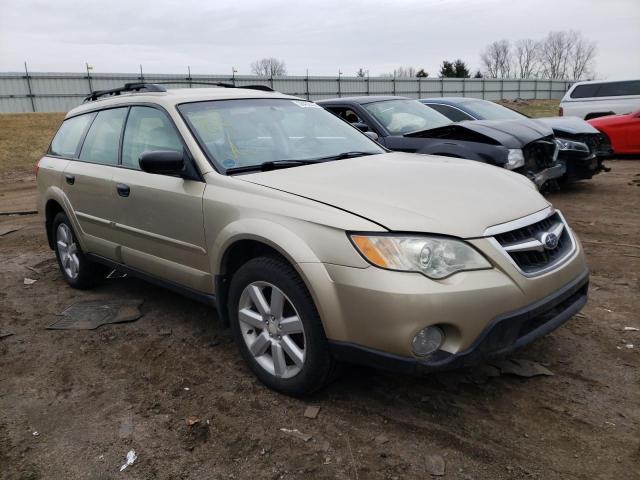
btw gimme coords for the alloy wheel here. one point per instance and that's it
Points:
(68, 251)
(272, 329)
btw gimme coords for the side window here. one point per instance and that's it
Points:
(585, 91)
(451, 113)
(103, 140)
(618, 89)
(147, 129)
(65, 143)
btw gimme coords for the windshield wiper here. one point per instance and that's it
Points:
(270, 165)
(343, 155)
(275, 164)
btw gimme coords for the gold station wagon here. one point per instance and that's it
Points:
(317, 245)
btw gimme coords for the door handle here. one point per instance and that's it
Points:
(70, 179)
(123, 190)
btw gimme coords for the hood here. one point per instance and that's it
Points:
(610, 120)
(413, 193)
(510, 133)
(567, 125)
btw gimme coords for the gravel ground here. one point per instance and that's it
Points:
(73, 403)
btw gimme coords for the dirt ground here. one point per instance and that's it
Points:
(73, 403)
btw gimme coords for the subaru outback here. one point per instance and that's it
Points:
(317, 245)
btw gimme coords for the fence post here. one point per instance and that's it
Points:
(441, 86)
(535, 89)
(502, 89)
(464, 87)
(368, 84)
(419, 87)
(271, 80)
(483, 88)
(519, 87)
(394, 82)
(339, 85)
(306, 82)
(89, 76)
(550, 88)
(30, 95)
(189, 76)
(141, 74)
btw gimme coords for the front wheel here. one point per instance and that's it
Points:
(277, 327)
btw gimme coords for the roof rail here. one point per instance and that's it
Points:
(263, 88)
(157, 87)
(128, 87)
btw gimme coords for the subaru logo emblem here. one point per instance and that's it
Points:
(549, 240)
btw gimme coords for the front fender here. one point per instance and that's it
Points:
(280, 238)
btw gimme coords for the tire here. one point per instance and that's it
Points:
(78, 271)
(270, 332)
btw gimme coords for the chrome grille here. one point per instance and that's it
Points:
(537, 247)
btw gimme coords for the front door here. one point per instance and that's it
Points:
(159, 217)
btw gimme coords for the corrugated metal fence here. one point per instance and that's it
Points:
(59, 92)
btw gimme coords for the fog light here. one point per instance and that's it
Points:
(427, 341)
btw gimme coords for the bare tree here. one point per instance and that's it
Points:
(269, 67)
(584, 52)
(403, 72)
(556, 54)
(497, 59)
(526, 58)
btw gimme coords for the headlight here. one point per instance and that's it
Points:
(571, 145)
(515, 159)
(432, 256)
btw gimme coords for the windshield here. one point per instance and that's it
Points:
(247, 132)
(485, 110)
(405, 116)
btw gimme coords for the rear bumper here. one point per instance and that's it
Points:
(503, 335)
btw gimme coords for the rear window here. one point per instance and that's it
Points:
(66, 141)
(609, 89)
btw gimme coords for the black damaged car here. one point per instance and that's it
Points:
(582, 148)
(407, 125)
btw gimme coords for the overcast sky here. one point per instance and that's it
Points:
(323, 36)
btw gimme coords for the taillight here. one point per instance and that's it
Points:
(36, 167)
(560, 112)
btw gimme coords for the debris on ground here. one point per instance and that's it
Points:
(29, 281)
(95, 313)
(36, 434)
(435, 465)
(191, 420)
(165, 332)
(631, 329)
(629, 345)
(5, 335)
(521, 368)
(131, 457)
(297, 434)
(6, 229)
(381, 439)
(311, 412)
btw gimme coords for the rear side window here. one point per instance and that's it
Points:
(147, 129)
(618, 89)
(103, 139)
(65, 143)
(609, 89)
(450, 112)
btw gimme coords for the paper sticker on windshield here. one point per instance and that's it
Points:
(305, 104)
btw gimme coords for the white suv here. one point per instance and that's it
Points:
(599, 98)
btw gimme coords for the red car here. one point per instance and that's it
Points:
(623, 130)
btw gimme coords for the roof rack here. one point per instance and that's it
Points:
(157, 87)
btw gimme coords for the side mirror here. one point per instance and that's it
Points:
(363, 127)
(162, 162)
(372, 135)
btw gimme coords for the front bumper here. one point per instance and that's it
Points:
(551, 173)
(580, 166)
(507, 332)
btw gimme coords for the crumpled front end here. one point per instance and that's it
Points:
(541, 164)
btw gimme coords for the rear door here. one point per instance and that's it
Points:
(159, 217)
(88, 182)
